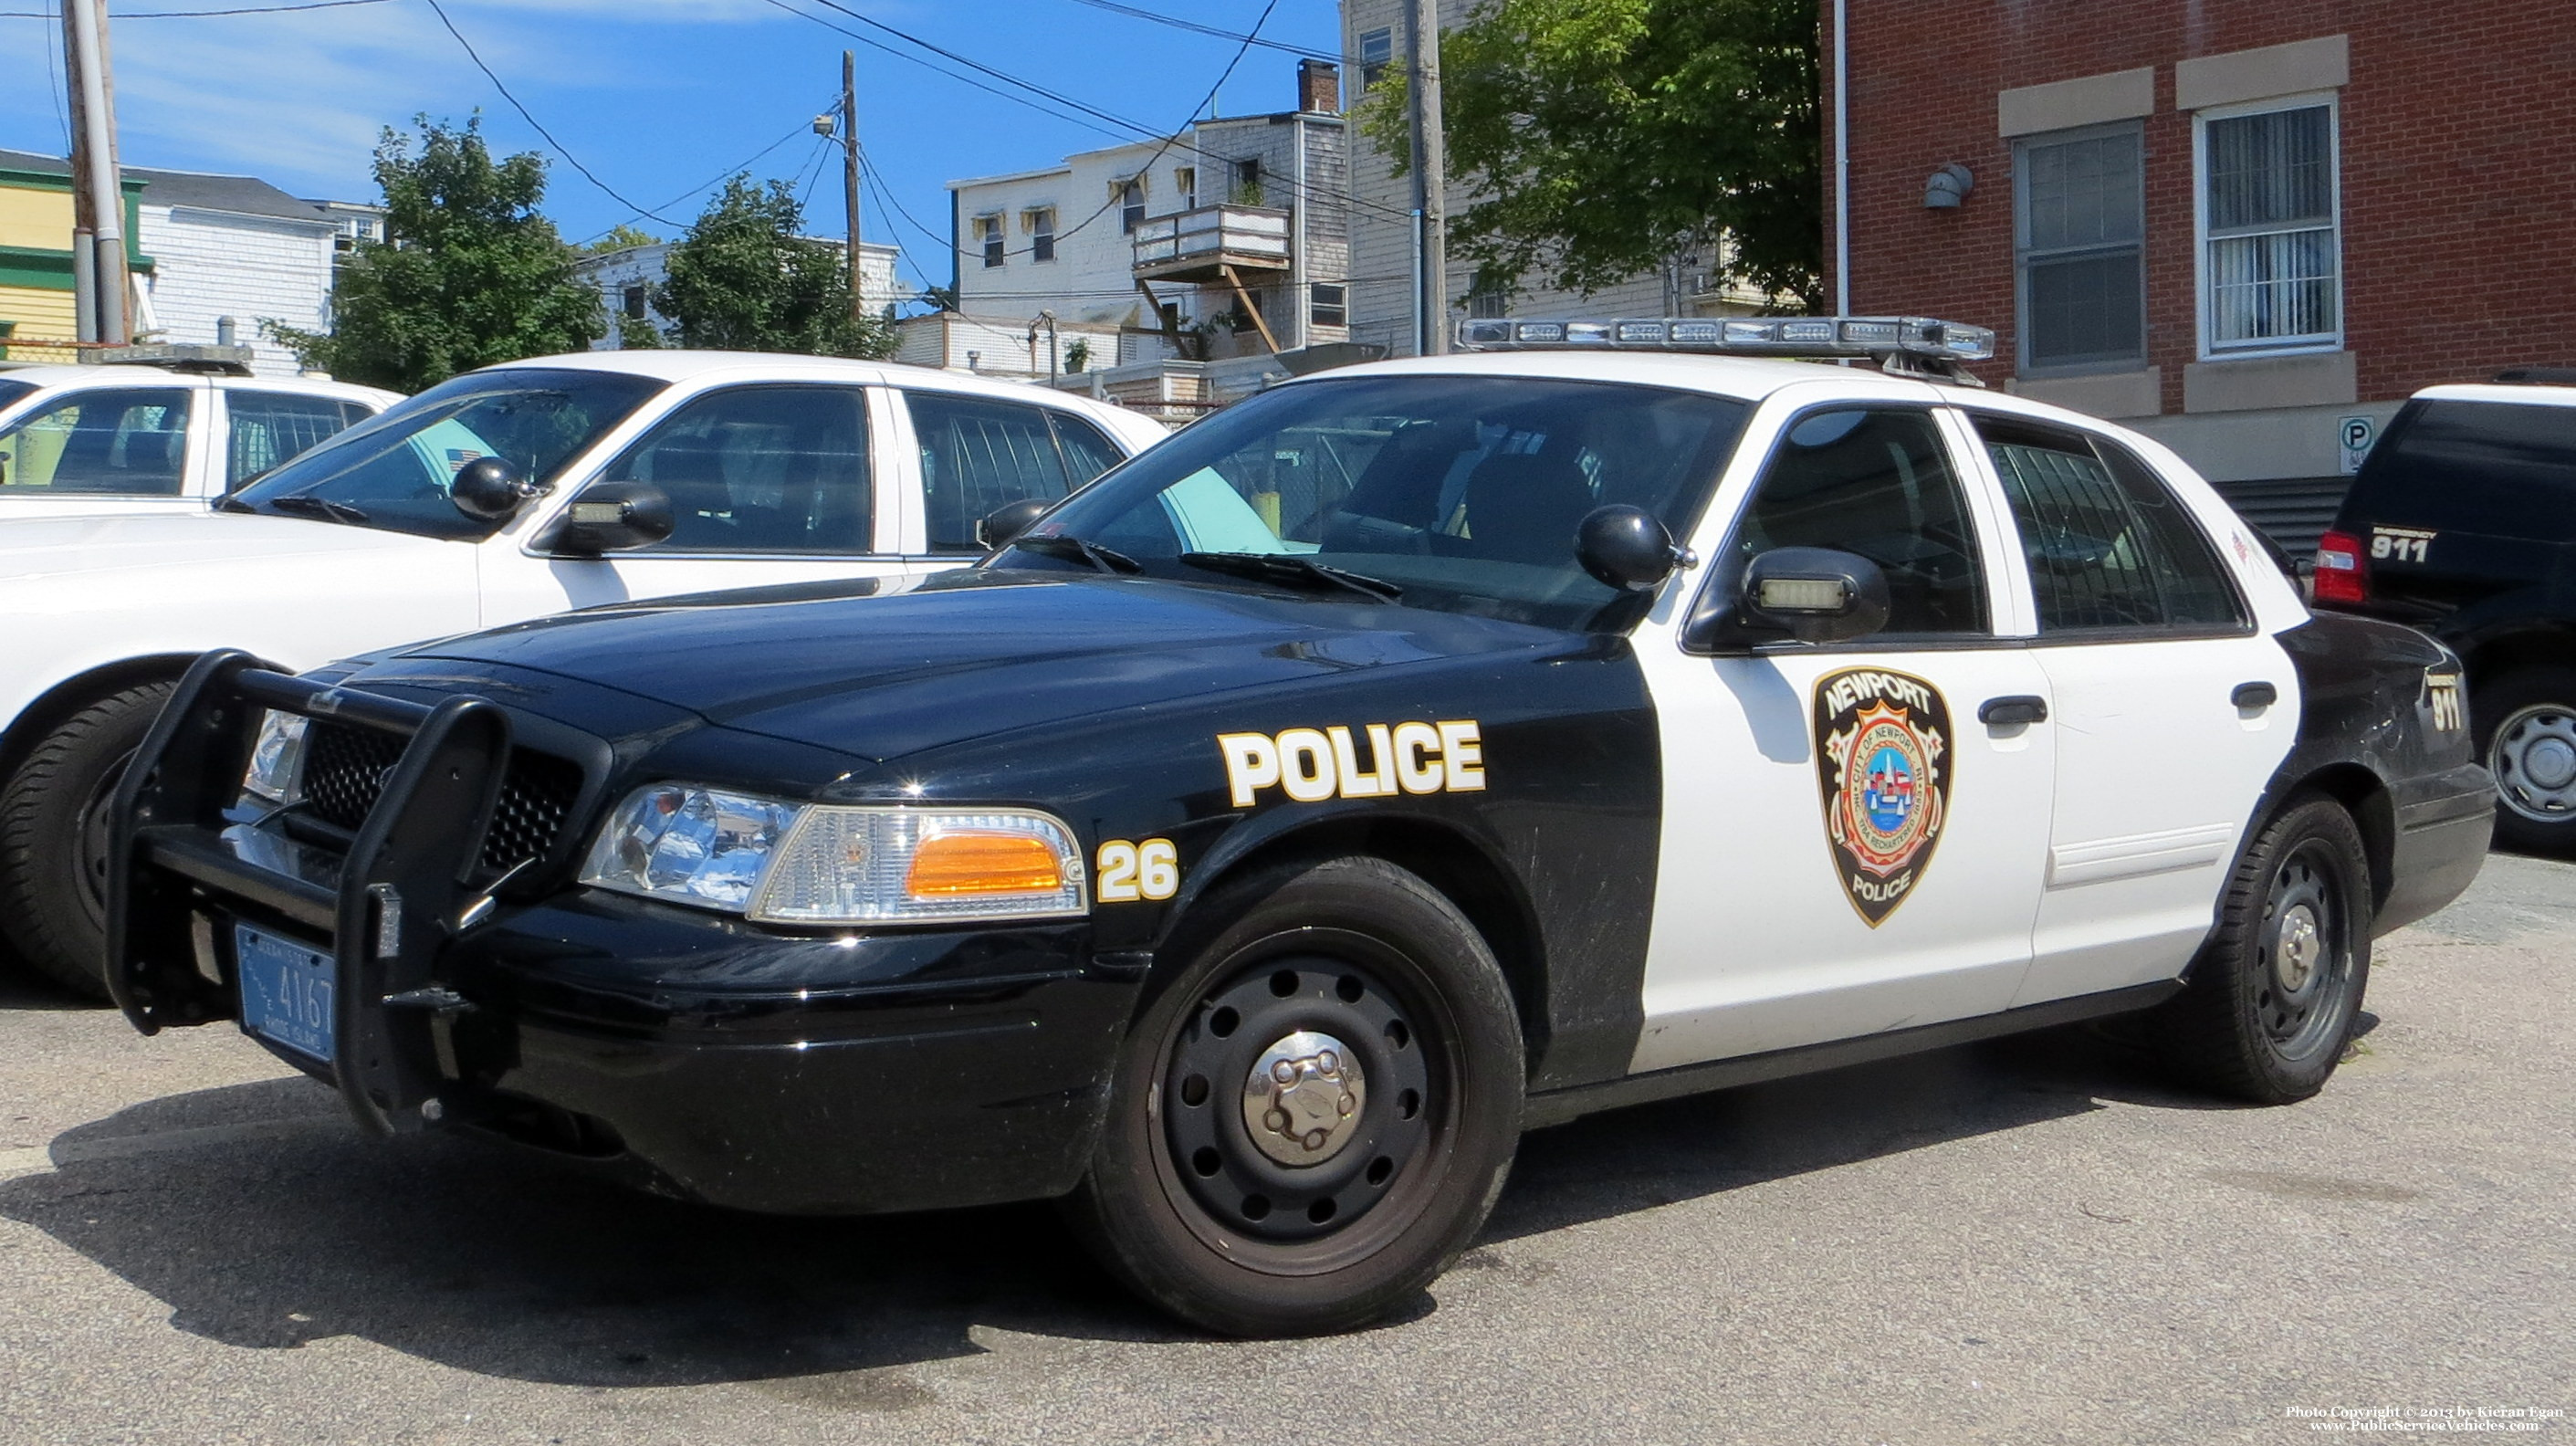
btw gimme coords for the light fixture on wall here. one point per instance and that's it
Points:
(1948, 186)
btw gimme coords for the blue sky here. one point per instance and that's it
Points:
(657, 96)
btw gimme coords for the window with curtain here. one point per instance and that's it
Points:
(2270, 272)
(2079, 220)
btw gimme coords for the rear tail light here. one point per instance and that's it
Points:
(2340, 577)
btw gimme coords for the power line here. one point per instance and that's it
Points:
(1196, 28)
(1133, 130)
(737, 168)
(202, 14)
(53, 69)
(524, 114)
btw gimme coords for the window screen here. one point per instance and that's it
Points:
(269, 427)
(762, 469)
(2080, 220)
(977, 456)
(2268, 195)
(122, 440)
(2108, 545)
(1879, 484)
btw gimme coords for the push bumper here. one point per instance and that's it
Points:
(687, 1051)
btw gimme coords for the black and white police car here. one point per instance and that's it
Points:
(1260, 840)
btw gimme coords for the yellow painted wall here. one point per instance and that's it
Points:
(40, 314)
(37, 218)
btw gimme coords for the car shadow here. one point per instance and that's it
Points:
(22, 988)
(510, 1264)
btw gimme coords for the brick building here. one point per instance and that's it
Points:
(2233, 225)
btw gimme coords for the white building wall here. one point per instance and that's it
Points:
(1092, 278)
(212, 264)
(1000, 346)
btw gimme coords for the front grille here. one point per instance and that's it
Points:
(345, 769)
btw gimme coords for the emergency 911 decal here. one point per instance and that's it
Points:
(1883, 763)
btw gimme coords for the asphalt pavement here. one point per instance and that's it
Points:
(2033, 1240)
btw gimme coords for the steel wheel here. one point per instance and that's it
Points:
(1300, 1098)
(2533, 757)
(2307, 962)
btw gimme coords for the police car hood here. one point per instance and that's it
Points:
(971, 655)
(60, 547)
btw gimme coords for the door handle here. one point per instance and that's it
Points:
(2255, 695)
(2012, 712)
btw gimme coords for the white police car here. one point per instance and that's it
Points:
(77, 440)
(504, 493)
(1261, 839)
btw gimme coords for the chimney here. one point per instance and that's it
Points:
(1319, 87)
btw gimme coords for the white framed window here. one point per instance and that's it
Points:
(1377, 51)
(1040, 223)
(2079, 231)
(2267, 221)
(1185, 185)
(1131, 204)
(1327, 304)
(990, 235)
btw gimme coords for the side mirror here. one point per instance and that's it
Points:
(612, 517)
(1005, 523)
(491, 489)
(1810, 594)
(1627, 547)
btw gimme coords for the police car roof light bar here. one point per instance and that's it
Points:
(1904, 344)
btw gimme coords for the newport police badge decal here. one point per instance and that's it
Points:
(1883, 761)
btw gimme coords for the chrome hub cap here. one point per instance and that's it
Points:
(2534, 761)
(1302, 1101)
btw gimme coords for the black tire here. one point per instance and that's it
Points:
(1186, 1206)
(53, 837)
(2526, 731)
(2262, 1017)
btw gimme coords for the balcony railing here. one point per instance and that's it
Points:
(1199, 244)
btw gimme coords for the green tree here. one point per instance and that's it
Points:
(1606, 136)
(474, 274)
(620, 237)
(744, 279)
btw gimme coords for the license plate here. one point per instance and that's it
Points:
(286, 991)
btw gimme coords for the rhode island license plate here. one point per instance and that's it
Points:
(286, 991)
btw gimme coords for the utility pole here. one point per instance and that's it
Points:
(95, 180)
(1430, 180)
(850, 175)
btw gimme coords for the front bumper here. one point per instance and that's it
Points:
(691, 1052)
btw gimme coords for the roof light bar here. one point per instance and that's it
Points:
(1879, 337)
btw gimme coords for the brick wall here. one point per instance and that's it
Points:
(2458, 139)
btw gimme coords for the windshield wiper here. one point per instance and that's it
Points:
(231, 502)
(306, 505)
(1062, 545)
(1293, 570)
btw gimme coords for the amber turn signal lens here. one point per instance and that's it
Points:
(948, 865)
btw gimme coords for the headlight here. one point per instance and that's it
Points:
(786, 863)
(277, 759)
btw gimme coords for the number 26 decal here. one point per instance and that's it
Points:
(1133, 871)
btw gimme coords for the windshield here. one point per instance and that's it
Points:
(393, 471)
(1461, 491)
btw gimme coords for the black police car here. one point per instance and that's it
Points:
(2463, 523)
(1261, 840)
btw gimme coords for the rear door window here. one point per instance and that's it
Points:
(978, 456)
(270, 427)
(127, 440)
(2108, 544)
